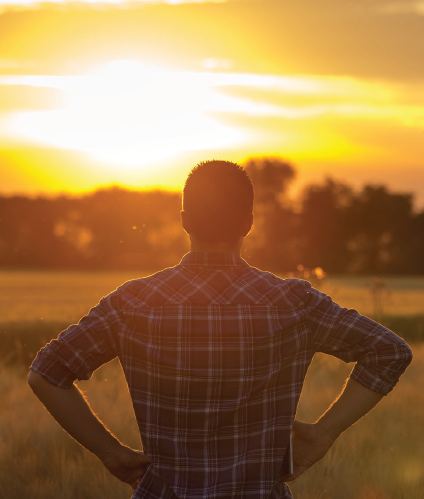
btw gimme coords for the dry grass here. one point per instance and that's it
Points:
(67, 296)
(398, 296)
(39, 460)
(381, 457)
(55, 296)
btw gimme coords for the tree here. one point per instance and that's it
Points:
(271, 243)
(325, 225)
(383, 228)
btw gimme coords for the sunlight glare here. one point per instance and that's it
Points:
(130, 114)
(35, 4)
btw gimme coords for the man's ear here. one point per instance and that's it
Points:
(248, 226)
(184, 222)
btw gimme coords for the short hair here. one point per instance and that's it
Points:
(218, 199)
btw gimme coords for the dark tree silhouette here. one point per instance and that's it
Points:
(383, 227)
(272, 244)
(108, 229)
(333, 227)
(135, 228)
(325, 225)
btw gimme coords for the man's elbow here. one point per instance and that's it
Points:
(404, 358)
(407, 354)
(35, 381)
(410, 356)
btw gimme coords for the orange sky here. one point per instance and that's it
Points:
(136, 94)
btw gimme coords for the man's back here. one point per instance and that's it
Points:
(215, 353)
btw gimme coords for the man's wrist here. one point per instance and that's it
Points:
(108, 449)
(325, 429)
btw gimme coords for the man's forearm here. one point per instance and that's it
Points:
(72, 412)
(354, 402)
(312, 441)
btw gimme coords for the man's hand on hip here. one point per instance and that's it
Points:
(127, 464)
(310, 444)
(312, 441)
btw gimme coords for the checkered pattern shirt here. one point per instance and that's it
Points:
(215, 353)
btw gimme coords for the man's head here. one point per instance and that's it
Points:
(218, 202)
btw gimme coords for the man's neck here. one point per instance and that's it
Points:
(221, 247)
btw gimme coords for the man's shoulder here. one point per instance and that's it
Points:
(284, 282)
(165, 286)
(274, 289)
(139, 283)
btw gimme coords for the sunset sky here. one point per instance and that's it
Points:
(98, 93)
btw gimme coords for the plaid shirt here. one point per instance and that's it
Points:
(215, 353)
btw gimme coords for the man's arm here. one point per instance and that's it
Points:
(72, 412)
(312, 441)
(380, 355)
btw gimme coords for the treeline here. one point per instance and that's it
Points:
(330, 225)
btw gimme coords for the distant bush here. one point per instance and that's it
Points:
(330, 225)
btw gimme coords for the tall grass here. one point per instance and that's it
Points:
(39, 460)
(381, 457)
(66, 296)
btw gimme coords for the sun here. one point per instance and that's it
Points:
(129, 115)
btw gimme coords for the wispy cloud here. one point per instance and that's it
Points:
(404, 7)
(34, 4)
(18, 64)
(129, 109)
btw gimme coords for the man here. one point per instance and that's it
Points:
(215, 354)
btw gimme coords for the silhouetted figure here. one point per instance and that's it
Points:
(215, 354)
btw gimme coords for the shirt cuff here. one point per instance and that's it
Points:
(371, 380)
(47, 365)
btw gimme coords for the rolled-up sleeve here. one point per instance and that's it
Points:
(81, 348)
(381, 356)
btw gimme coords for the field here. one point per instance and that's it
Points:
(381, 457)
(66, 296)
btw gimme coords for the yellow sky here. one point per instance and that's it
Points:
(135, 94)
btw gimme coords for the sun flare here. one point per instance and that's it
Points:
(129, 114)
(136, 124)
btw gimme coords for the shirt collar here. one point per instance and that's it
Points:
(213, 259)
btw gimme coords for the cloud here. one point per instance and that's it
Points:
(128, 106)
(18, 64)
(36, 4)
(356, 39)
(213, 63)
(404, 7)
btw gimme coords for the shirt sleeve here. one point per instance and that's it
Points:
(82, 348)
(381, 356)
